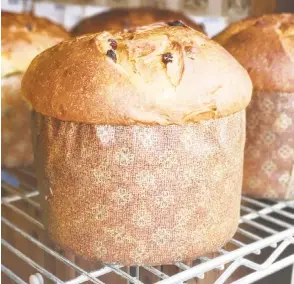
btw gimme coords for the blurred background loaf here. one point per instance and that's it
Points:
(23, 36)
(265, 47)
(128, 18)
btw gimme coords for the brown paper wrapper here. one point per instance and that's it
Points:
(269, 150)
(140, 195)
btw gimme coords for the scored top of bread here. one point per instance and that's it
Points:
(23, 36)
(155, 75)
(265, 47)
(122, 18)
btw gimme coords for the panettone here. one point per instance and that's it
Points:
(265, 47)
(122, 18)
(139, 140)
(23, 36)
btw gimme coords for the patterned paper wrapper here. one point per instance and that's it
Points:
(269, 150)
(140, 195)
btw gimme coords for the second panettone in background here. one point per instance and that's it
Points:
(23, 36)
(265, 47)
(139, 140)
(119, 19)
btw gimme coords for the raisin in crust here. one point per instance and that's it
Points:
(78, 80)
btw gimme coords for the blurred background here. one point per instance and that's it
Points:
(214, 14)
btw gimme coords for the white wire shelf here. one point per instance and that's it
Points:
(263, 245)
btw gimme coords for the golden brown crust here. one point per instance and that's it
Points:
(118, 19)
(77, 81)
(23, 36)
(265, 47)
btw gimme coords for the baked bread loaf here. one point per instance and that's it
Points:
(23, 36)
(265, 47)
(122, 18)
(139, 141)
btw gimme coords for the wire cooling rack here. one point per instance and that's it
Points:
(263, 245)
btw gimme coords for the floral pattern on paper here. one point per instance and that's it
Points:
(99, 212)
(268, 167)
(122, 196)
(140, 253)
(269, 151)
(106, 134)
(143, 191)
(267, 105)
(286, 152)
(145, 179)
(101, 174)
(269, 138)
(165, 199)
(125, 157)
(283, 122)
(161, 237)
(142, 218)
(100, 250)
(146, 137)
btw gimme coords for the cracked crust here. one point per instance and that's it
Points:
(118, 19)
(77, 81)
(265, 47)
(23, 36)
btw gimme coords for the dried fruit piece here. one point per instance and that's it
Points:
(29, 27)
(176, 68)
(176, 23)
(167, 58)
(110, 53)
(261, 22)
(113, 43)
(191, 51)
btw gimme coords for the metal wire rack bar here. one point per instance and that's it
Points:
(156, 272)
(252, 265)
(50, 251)
(267, 210)
(93, 274)
(254, 211)
(30, 262)
(204, 258)
(260, 227)
(267, 218)
(12, 275)
(204, 267)
(265, 272)
(124, 274)
(9, 199)
(249, 235)
(12, 189)
(25, 215)
(263, 205)
(186, 267)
